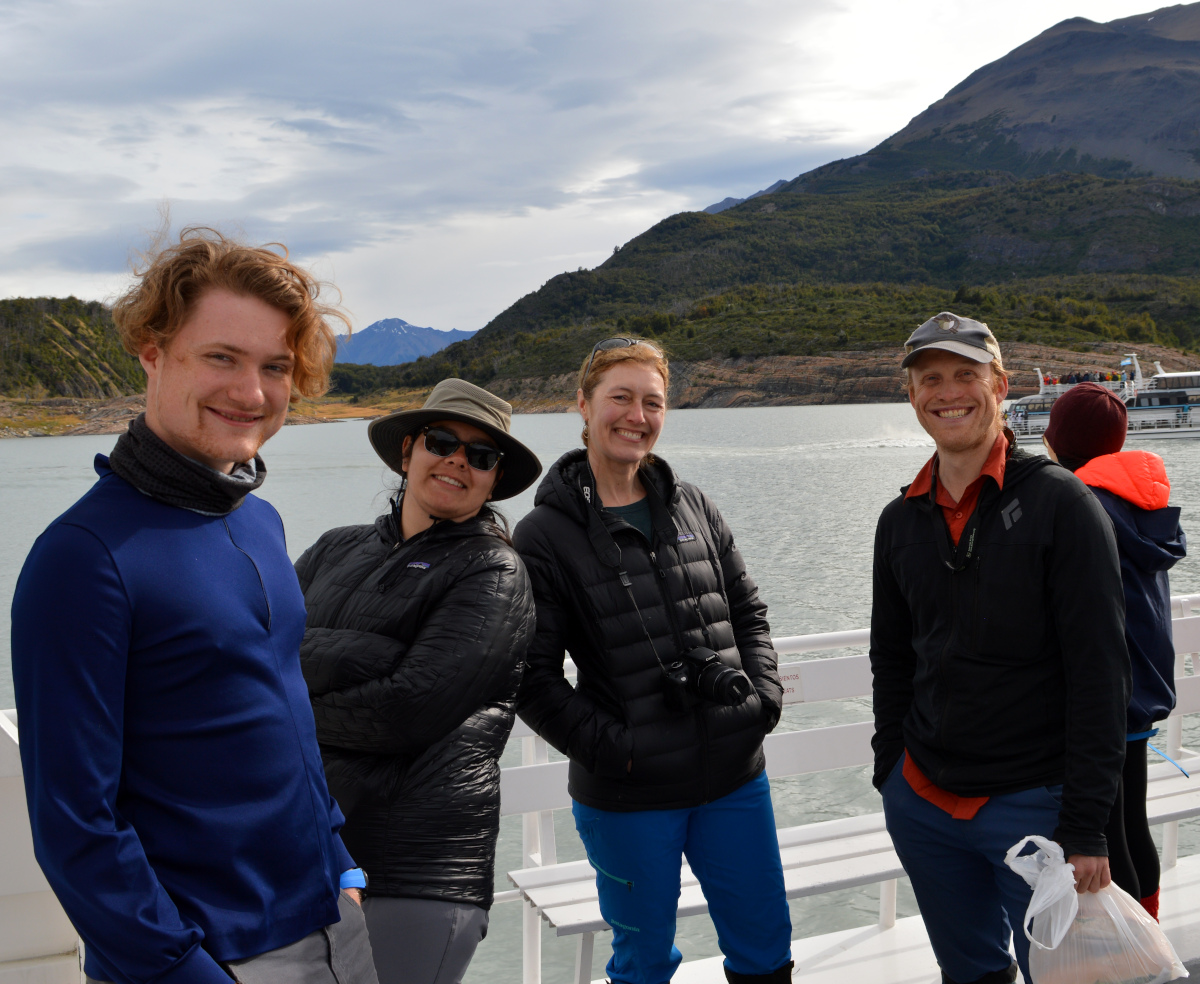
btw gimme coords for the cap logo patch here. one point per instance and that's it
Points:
(419, 565)
(685, 537)
(947, 325)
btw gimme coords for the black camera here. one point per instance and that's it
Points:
(700, 675)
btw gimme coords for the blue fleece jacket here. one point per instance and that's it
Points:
(175, 788)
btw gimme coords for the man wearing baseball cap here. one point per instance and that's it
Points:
(1000, 669)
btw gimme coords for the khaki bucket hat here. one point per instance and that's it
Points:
(456, 399)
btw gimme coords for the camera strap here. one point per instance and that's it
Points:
(628, 585)
(958, 558)
(609, 551)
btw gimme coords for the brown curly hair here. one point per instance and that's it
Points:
(172, 280)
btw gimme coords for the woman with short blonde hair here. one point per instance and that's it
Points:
(636, 574)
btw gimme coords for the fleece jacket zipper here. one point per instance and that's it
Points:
(261, 584)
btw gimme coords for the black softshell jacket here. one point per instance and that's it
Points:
(1011, 673)
(693, 590)
(413, 656)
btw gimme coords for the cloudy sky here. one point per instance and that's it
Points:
(437, 160)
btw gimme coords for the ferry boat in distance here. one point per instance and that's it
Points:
(1159, 407)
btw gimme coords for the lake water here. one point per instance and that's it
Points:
(801, 487)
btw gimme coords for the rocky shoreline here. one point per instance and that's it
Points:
(871, 376)
(69, 416)
(848, 377)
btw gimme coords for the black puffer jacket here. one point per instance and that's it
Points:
(692, 588)
(413, 655)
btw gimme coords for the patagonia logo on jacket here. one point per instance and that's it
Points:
(419, 565)
(685, 537)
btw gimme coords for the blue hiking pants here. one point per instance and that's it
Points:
(970, 900)
(733, 850)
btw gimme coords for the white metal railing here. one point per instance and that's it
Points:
(538, 786)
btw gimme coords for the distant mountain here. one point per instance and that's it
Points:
(393, 341)
(725, 203)
(1057, 188)
(1120, 99)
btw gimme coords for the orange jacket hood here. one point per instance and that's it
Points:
(1138, 477)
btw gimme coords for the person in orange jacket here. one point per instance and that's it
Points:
(1086, 434)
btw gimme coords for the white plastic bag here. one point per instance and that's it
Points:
(1103, 937)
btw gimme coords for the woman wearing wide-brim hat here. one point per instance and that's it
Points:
(416, 634)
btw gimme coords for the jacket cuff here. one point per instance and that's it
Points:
(885, 761)
(1087, 843)
(771, 712)
(341, 857)
(196, 967)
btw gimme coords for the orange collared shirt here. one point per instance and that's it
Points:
(957, 513)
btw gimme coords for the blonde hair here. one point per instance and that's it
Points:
(605, 359)
(644, 352)
(173, 279)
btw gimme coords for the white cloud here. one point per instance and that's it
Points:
(443, 159)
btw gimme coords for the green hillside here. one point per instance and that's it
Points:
(825, 319)
(1062, 258)
(63, 347)
(966, 155)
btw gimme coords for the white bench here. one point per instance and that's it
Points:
(816, 857)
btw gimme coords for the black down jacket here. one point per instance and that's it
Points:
(693, 590)
(413, 656)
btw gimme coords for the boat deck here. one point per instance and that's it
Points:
(902, 955)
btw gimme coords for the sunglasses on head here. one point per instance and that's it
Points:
(614, 343)
(443, 443)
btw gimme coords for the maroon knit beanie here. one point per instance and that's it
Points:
(1086, 422)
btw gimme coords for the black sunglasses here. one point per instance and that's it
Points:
(443, 443)
(614, 343)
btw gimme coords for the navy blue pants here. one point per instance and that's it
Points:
(733, 850)
(970, 900)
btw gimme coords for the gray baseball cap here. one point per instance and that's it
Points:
(951, 333)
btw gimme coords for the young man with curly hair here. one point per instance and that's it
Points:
(175, 788)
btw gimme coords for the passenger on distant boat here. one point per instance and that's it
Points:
(636, 574)
(417, 629)
(176, 795)
(1001, 675)
(1086, 434)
